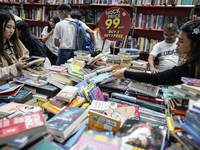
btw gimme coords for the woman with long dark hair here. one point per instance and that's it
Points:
(47, 37)
(13, 54)
(189, 45)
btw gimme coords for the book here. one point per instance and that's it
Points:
(67, 93)
(35, 60)
(37, 70)
(78, 101)
(62, 78)
(31, 76)
(49, 145)
(21, 126)
(81, 85)
(98, 95)
(92, 140)
(12, 107)
(57, 103)
(144, 88)
(55, 82)
(12, 91)
(66, 121)
(23, 96)
(57, 68)
(76, 69)
(194, 89)
(51, 108)
(142, 134)
(100, 122)
(36, 83)
(48, 89)
(87, 92)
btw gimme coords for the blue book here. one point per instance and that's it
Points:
(70, 142)
(189, 130)
(193, 127)
(81, 85)
(193, 119)
(50, 146)
(97, 79)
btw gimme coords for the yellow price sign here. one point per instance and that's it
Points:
(109, 22)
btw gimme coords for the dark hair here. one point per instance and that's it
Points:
(56, 19)
(25, 30)
(4, 7)
(75, 14)
(194, 54)
(5, 17)
(171, 26)
(66, 8)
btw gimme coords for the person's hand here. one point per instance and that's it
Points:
(22, 63)
(154, 70)
(118, 74)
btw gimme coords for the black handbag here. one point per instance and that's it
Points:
(95, 53)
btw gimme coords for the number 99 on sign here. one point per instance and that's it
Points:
(110, 22)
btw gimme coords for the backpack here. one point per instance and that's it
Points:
(82, 42)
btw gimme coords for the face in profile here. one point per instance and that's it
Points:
(61, 14)
(183, 44)
(51, 23)
(170, 36)
(9, 29)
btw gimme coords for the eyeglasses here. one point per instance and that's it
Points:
(171, 36)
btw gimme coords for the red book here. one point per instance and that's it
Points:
(176, 111)
(151, 99)
(21, 126)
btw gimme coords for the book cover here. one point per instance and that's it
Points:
(87, 92)
(76, 69)
(12, 91)
(142, 135)
(100, 122)
(99, 78)
(78, 101)
(191, 81)
(66, 121)
(51, 108)
(67, 93)
(36, 83)
(81, 85)
(57, 68)
(144, 88)
(91, 140)
(20, 126)
(35, 60)
(23, 96)
(194, 89)
(57, 103)
(98, 94)
(48, 89)
(62, 78)
(12, 107)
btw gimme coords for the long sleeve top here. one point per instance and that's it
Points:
(168, 77)
(7, 73)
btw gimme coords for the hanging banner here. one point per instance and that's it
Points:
(115, 23)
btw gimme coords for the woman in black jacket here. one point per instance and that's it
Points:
(189, 45)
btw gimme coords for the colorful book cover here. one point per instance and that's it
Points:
(101, 122)
(191, 81)
(78, 101)
(76, 69)
(19, 125)
(92, 141)
(99, 78)
(12, 107)
(72, 73)
(57, 103)
(142, 135)
(87, 92)
(124, 112)
(67, 93)
(64, 122)
(98, 94)
(57, 68)
(12, 91)
(81, 85)
(53, 109)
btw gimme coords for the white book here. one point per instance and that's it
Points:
(150, 90)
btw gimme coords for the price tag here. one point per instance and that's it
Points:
(114, 23)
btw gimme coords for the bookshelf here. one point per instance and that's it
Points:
(149, 21)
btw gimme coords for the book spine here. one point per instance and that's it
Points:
(192, 126)
(192, 120)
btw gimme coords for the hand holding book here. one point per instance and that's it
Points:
(118, 74)
(22, 63)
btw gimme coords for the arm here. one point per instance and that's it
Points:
(25, 52)
(151, 59)
(91, 35)
(171, 76)
(56, 42)
(38, 48)
(46, 37)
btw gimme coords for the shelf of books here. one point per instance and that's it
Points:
(77, 105)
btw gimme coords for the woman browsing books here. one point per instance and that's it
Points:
(47, 37)
(13, 54)
(189, 45)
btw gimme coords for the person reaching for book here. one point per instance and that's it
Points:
(188, 44)
(47, 38)
(165, 50)
(31, 42)
(13, 54)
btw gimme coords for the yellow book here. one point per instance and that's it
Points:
(101, 123)
(88, 89)
(76, 69)
(52, 108)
